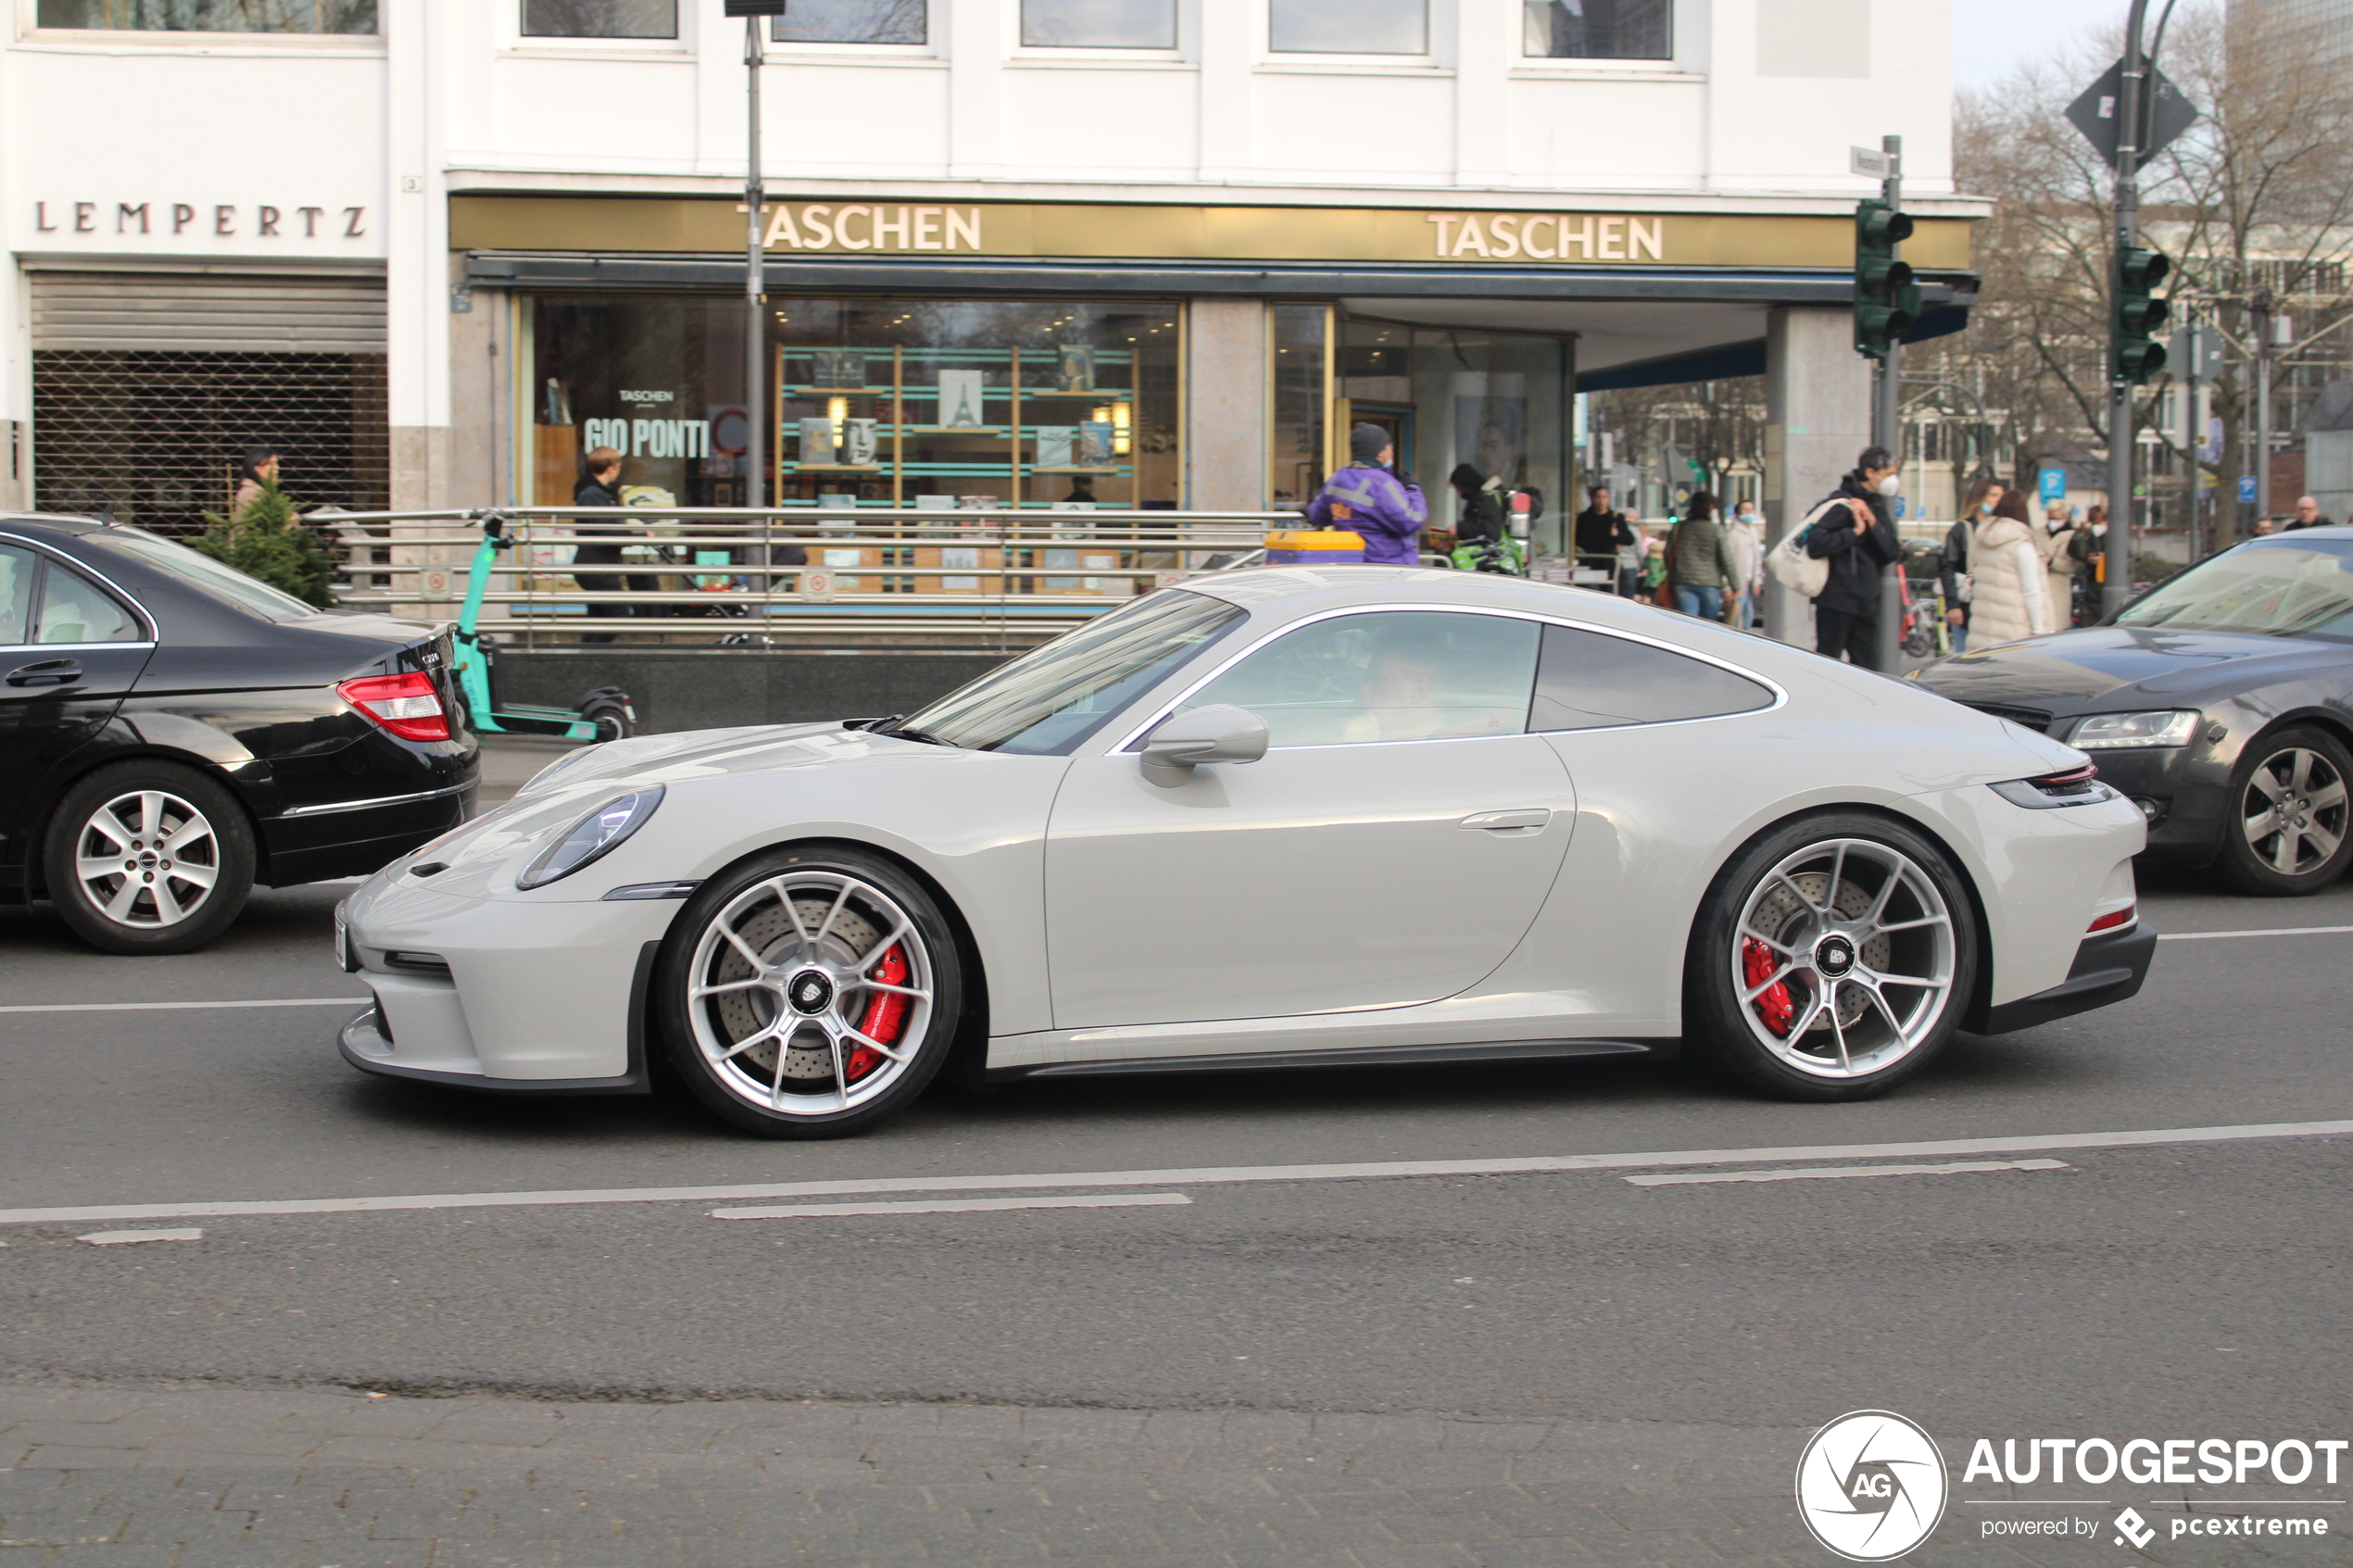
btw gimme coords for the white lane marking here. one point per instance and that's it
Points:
(117, 1239)
(160, 1006)
(1192, 1176)
(955, 1205)
(1817, 1171)
(2275, 931)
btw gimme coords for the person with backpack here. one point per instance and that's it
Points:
(1384, 510)
(1853, 533)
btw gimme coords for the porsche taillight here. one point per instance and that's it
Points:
(405, 705)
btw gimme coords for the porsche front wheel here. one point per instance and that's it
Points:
(808, 993)
(1832, 961)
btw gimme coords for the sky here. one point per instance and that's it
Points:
(1990, 36)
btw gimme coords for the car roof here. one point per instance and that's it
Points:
(61, 524)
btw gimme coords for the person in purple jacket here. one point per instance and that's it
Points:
(1387, 511)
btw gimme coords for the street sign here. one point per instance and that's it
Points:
(1870, 161)
(2051, 484)
(2247, 490)
(2167, 113)
(2196, 353)
(817, 587)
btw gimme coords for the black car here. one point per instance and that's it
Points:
(173, 732)
(2222, 701)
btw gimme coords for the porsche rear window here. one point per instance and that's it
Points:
(1592, 680)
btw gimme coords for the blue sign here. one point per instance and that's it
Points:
(2051, 484)
(2247, 490)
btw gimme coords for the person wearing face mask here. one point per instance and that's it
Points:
(1855, 531)
(2063, 562)
(2011, 600)
(1385, 509)
(1747, 536)
(1954, 561)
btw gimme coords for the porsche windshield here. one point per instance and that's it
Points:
(1055, 696)
(2291, 588)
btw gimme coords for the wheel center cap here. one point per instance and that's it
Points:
(810, 993)
(1834, 956)
(147, 859)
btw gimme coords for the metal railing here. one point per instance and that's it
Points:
(873, 574)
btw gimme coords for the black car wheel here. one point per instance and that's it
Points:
(148, 857)
(2286, 831)
(808, 993)
(1832, 959)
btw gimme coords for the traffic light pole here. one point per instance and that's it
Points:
(755, 287)
(1887, 429)
(2117, 570)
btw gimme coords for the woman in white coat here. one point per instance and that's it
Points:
(2010, 599)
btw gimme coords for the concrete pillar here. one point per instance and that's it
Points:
(1818, 417)
(1225, 406)
(416, 219)
(480, 402)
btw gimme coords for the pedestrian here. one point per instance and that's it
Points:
(2009, 602)
(1600, 534)
(1855, 531)
(1703, 564)
(2263, 526)
(1954, 558)
(257, 472)
(2307, 515)
(1747, 534)
(2063, 564)
(1383, 509)
(597, 490)
(1651, 582)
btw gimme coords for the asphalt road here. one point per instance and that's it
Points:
(2193, 1289)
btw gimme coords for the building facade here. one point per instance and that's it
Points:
(1160, 252)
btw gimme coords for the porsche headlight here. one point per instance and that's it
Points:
(592, 838)
(2113, 732)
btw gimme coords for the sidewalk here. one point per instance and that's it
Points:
(236, 1478)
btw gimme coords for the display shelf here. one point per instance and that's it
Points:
(1115, 394)
(814, 390)
(837, 468)
(1115, 468)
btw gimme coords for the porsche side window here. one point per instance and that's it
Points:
(17, 568)
(1589, 681)
(1396, 676)
(74, 609)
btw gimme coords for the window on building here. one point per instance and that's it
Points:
(1295, 457)
(211, 16)
(854, 22)
(601, 19)
(1349, 26)
(1600, 29)
(1099, 24)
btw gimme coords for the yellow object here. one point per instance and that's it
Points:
(1307, 546)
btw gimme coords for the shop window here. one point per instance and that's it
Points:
(211, 16)
(853, 22)
(601, 19)
(1296, 463)
(1349, 26)
(1600, 29)
(1099, 24)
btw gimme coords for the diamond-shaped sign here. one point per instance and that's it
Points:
(2166, 113)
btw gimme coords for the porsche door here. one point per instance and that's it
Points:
(1391, 848)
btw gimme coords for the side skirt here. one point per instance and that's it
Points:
(1370, 1055)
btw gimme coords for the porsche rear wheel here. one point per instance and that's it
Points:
(808, 993)
(1832, 961)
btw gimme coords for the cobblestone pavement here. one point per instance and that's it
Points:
(235, 1478)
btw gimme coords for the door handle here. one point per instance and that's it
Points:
(1508, 822)
(48, 672)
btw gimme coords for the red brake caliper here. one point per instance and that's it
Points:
(1773, 1006)
(886, 1016)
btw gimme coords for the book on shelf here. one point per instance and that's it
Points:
(1074, 367)
(838, 370)
(816, 443)
(1093, 450)
(960, 400)
(1057, 446)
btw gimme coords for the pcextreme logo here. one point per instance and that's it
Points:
(1872, 1486)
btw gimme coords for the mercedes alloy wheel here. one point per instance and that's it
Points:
(148, 857)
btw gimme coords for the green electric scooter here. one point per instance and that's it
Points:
(602, 714)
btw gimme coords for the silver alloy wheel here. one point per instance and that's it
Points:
(1843, 959)
(2294, 811)
(147, 859)
(788, 977)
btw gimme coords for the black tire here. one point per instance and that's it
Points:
(727, 1047)
(2294, 781)
(154, 903)
(609, 717)
(1806, 903)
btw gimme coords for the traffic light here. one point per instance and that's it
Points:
(1887, 302)
(2139, 316)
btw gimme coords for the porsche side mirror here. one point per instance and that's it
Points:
(1223, 733)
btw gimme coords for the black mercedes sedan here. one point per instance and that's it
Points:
(173, 732)
(2220, 700)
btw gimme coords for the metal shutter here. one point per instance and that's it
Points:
(249, 313)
